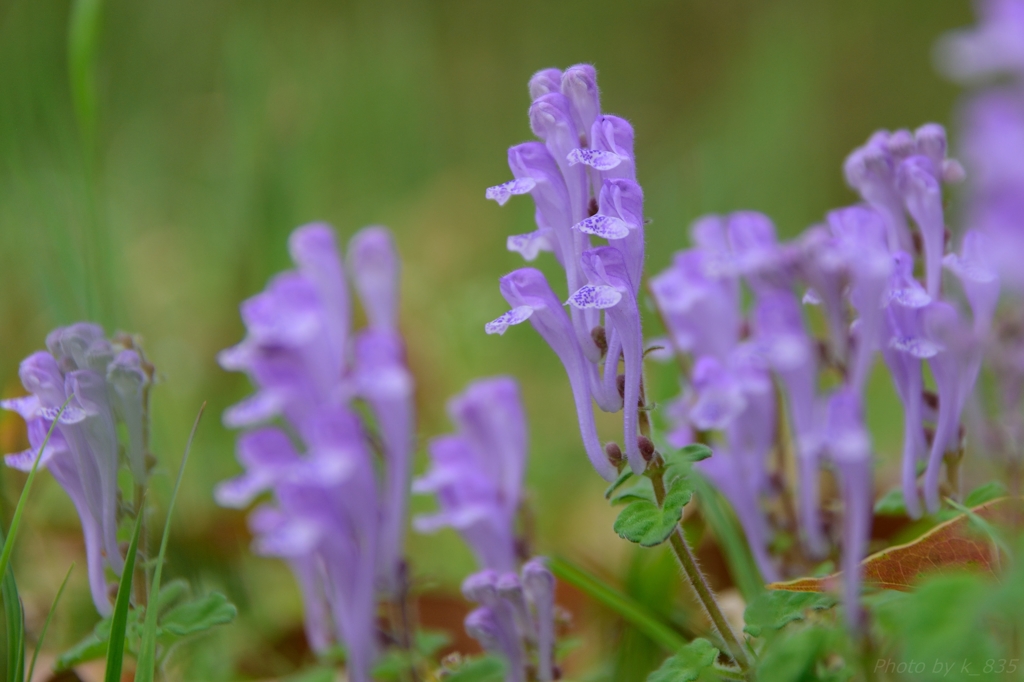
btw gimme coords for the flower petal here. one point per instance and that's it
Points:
(517, 315)
(595, 158)
(503, 192)
(606, 226)
(591, 296)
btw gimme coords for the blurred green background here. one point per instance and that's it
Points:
(220, 126)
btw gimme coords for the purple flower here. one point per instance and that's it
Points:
(702, 312)
(516, 614)
(583, 182)
(340, 529)
(105, 385)
(860, 238)
(993, 144)
(790, 352)
(477, 474)
(612, 290)
(325, 523)
(737, 399)
(527, 291)
(903, 347)
(849, 447)
(995, 45)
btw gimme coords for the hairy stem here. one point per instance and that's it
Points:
(688, 562)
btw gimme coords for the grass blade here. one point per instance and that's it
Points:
(618, 602)
(119, 621)
(15, 620)
(734, 546)
(83, 44)
(145, 668)
(46, 623)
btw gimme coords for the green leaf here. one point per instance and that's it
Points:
(90, 648)
(694, 452)
(643, 490)
(212, 612)
(773, 609)
(798, 656)
(46, 623)
(647, 525)
(623, 605)
(429, 642)
(199, 615)
(985, 493)
(891, 504)
(482, 669)
(623, 477)
(693, 662)
(119, 619)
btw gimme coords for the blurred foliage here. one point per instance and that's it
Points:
(211, 129)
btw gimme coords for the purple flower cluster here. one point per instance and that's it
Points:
(105, 385)
(859, 269)
(337, 523)
(476, 476)
(582, 178)
(990, 56)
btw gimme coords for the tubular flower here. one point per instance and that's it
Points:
(582, 178)
(477, 474)
(104, 384)
(338, 524)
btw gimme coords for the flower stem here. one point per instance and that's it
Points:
(688, 562)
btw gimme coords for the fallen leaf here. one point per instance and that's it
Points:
(954, 544)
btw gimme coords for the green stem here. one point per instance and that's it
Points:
(688, 562)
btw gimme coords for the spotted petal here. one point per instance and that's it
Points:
(606, 226)
(591, 296)
(517, 315)
(503, 192)
(595, 158)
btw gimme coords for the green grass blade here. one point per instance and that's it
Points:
(83, 44)
(14, 616)
(12, 533)
(119, 621)
(46, 623)
(734, 546)
(145, 669)
(618, 602)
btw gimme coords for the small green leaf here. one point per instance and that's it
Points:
(199, 615)
(429, 642)
(773, 609)
(985, 493)
(891, 504)
(643, 490)
(693, 662)
(797, 656)
(623, 477)
(483, 669)
(645, 524)
(695, 452)
(91, 648)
